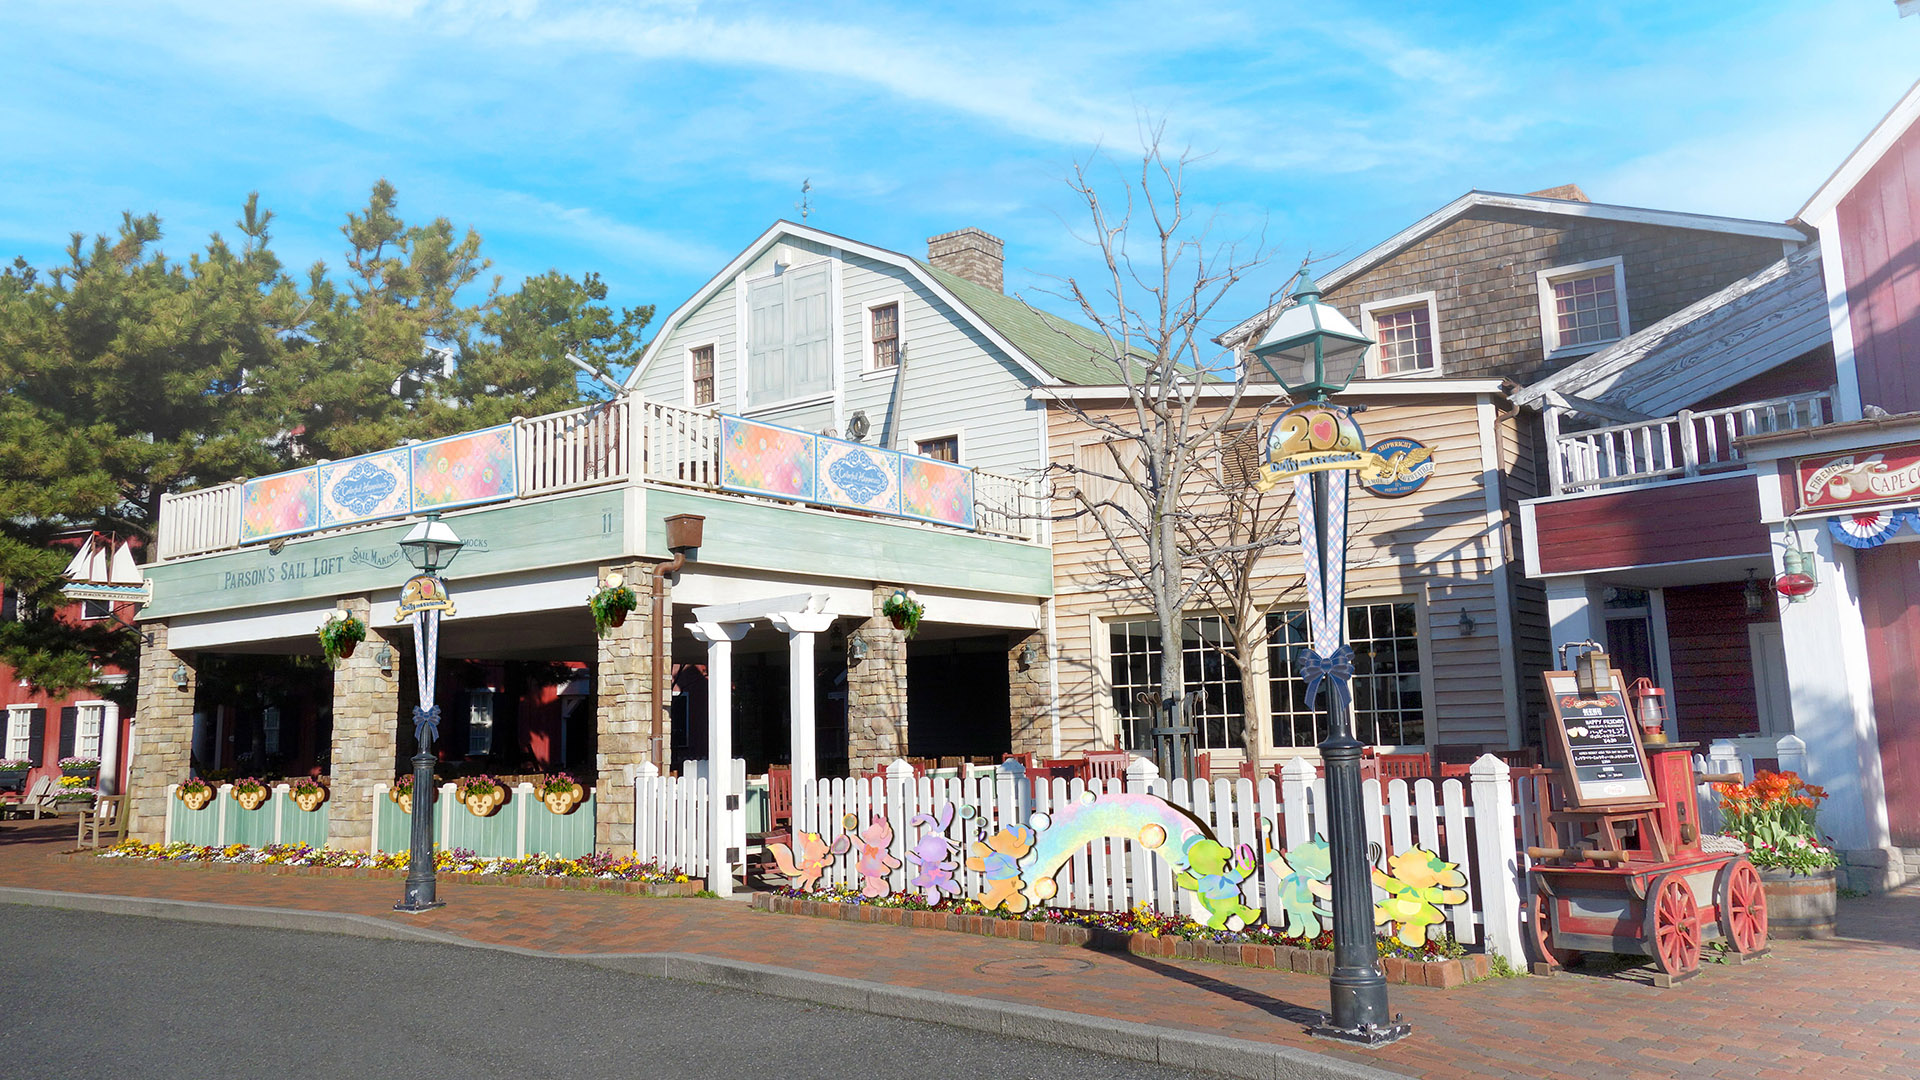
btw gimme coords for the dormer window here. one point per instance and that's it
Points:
(1583, 306)
(1404, 328)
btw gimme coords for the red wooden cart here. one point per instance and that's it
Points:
(1632, 878)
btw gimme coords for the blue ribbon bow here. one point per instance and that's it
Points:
(1313, 667)
(426, 725)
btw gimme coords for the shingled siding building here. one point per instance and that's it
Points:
(1490, 291)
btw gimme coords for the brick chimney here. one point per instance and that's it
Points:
(970, 253)
(1570, 192)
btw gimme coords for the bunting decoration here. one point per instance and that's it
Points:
(1871, 528)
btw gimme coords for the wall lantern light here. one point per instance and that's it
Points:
(1796, 582)
(385, 659)
(1755, 594)
(1466, 623)
(857, 650)
(180, 674)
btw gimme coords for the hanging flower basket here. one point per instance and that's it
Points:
(195, 794)
(339, 635)
(561, 793)
(402, 793)
(308, 794)
(482, 794)
(251, 794)
(611, 604)
(905, 609)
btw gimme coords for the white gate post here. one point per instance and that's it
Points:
(800, 626)
(1295, 777)
(646, 811)
(1500, 885)
(719, 638)
(1791, 753)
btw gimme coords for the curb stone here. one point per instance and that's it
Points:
(1120, 1038)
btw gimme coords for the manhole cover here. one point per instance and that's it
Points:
(1033, 969)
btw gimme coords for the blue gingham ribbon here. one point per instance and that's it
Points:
(1329, 656)
(426, 648)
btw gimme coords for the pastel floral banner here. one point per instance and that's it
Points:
(364, 488)
(936, 491)
(279, 504)
(465, 469)
(761, 459)
(858, 477)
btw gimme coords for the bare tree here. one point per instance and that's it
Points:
(1159, 449)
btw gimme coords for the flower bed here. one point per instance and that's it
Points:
(613, 873)
(1144, 933)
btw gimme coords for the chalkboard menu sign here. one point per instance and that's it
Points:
(1598, 743)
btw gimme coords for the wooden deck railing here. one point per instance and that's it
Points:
(1688, 443)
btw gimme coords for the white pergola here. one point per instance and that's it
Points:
(800, 616)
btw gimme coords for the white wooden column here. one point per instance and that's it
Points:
(800, 626)
(109, 782)
(720, 638)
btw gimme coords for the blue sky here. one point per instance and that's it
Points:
(650, 141)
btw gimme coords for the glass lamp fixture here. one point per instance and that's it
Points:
(431, 545)
(1311, 349)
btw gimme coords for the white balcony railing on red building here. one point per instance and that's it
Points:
(627, 440)
(1688, 443)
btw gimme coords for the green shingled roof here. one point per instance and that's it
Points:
(1067, 351)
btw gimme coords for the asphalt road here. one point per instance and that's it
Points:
(90, 995)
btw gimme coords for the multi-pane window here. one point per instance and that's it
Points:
(1406, 340)
(701, 361)
(1134, 657)
(1389, 708)
(92, 721)
(20, 734)
(946, 448)
(1586, 308)
(886, 335)
(480, 722)
(270, 729)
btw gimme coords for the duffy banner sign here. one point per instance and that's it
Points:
(1861, 478)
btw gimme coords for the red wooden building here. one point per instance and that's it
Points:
(1767, 434)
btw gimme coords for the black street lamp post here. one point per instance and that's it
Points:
(429, 547)
(1314, 351)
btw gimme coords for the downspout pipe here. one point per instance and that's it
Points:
(683, 539)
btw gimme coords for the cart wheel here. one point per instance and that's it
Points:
(1539, 939)
(1743, 906)
(1673, 926)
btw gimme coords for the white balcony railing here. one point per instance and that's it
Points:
(622, 441)
(1688, 443)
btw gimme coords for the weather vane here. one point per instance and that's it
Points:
(804, 206)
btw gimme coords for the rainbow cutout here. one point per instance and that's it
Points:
(1148, 820)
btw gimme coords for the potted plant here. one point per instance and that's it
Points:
(13, 772)
(905, 609)
(250, 793)
(402, 793)
(308, 793)
(482, 794)
(195, 793)
(560, 792)
(1774, 817)
(88, 768)
(611, 604)
(339, 634)
(73, 789)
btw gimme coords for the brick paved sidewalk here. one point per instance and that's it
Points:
(1843, 1008)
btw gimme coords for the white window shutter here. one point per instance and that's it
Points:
(766, 342)
(809, 352)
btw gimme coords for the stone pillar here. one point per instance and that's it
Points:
(623, 711)
(876, 691)
(366, 722)
(1030, 693)
(163, 726)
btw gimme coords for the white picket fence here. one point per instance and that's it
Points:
(1472, 823)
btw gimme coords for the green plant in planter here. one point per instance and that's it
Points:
(339, 634)
(905, 609)
(611, 604)
(1774, 817)
(79, 766)
(15, 765)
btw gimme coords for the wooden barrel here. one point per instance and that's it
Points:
(1800, 905)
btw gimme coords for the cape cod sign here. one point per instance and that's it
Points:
(1859, 478)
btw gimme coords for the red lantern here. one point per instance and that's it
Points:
(1650, 705)
(1794, 586)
